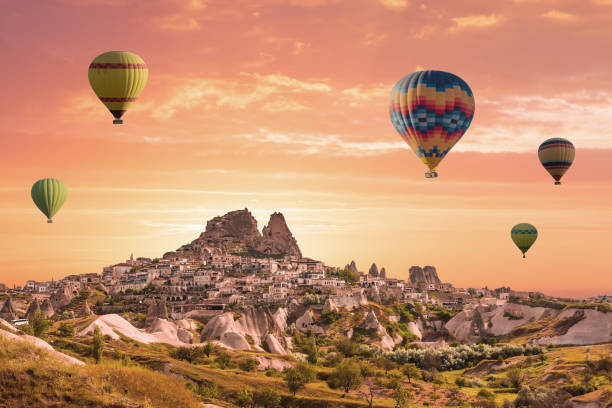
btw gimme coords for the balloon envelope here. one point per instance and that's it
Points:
(556, 155)
(431, 110)
(118, 78)
(49, 195)
(524, 235)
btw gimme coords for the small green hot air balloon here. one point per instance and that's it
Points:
(524, 235)
(49, 195)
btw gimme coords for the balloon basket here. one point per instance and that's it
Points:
(431, 174)
(557, 183)
(117, 122)
(49, 221)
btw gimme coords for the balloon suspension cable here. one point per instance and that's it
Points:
(557, 183)
(49, 221)
(431, 174)
(117, 122)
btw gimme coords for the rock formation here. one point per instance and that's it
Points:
(277, 238)
(352, 267)
(85, 310)
(258, 323)
(61, 297)
(33, 309)
(383, 273)
(373, 272)
(8, 311)
(157, 309)
(423, 276)
(236, 232)
(306, 322)
(47, 309)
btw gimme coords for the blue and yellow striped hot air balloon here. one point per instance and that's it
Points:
(524, 235)
(431, 110)
(118, 78)
(556, 155)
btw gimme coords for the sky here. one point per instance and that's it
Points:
(282, 105)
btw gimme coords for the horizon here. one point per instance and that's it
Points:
(283, 106)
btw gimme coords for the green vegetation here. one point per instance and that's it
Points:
(350, 277)
(98, 345)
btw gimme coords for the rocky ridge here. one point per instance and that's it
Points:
(236, 232)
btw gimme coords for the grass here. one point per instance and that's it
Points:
(30, 377)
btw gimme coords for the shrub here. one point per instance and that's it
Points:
(486, 394)
(248, 364)
(65, 330)
(266, 398)
(455, 358)
(224, 360)
(460, 381)
(98, 344)
(329, 317)
(208, 389)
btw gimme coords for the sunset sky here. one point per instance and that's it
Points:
(282, 105)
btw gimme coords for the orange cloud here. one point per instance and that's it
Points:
(477, 21)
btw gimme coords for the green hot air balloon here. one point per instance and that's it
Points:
(49, 195)
(524, 235)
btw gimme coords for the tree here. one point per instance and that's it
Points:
(347, 375)
(369, 394)
(266, 398)
(299, 376)
(402, 397)
(347, 347)
(411, 371)
(38, 325)
(385, 364)
(98, 345)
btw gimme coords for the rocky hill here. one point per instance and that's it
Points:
(236, 232)
(425, 275)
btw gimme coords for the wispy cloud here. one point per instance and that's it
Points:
(559, 16)
(477, 21)
(238, 93)
(395, 4)
(308, 144)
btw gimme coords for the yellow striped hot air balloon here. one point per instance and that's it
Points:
(556, 155)
(118, 78)
(524, 235)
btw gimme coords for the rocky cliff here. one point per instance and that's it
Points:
(236, 232)
(422, 276)
(373, 270)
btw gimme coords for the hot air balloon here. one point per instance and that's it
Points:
(431, 110)
(49, 195)
(524, 235)
(117, 78)
(556, 155)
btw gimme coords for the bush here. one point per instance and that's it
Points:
(460, 381)
(486, 394)
(298, 376)
(456, 358)
(580, 388)
(266, 398)
(224, 360)
(65, 330)
(208, 389)
(329, 317)
(248, 364)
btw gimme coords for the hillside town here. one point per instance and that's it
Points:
(231, 263)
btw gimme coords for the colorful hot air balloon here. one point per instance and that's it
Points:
(49, 195)
(117, 78)
(524, 235)
(431, 110)
(556, 155)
